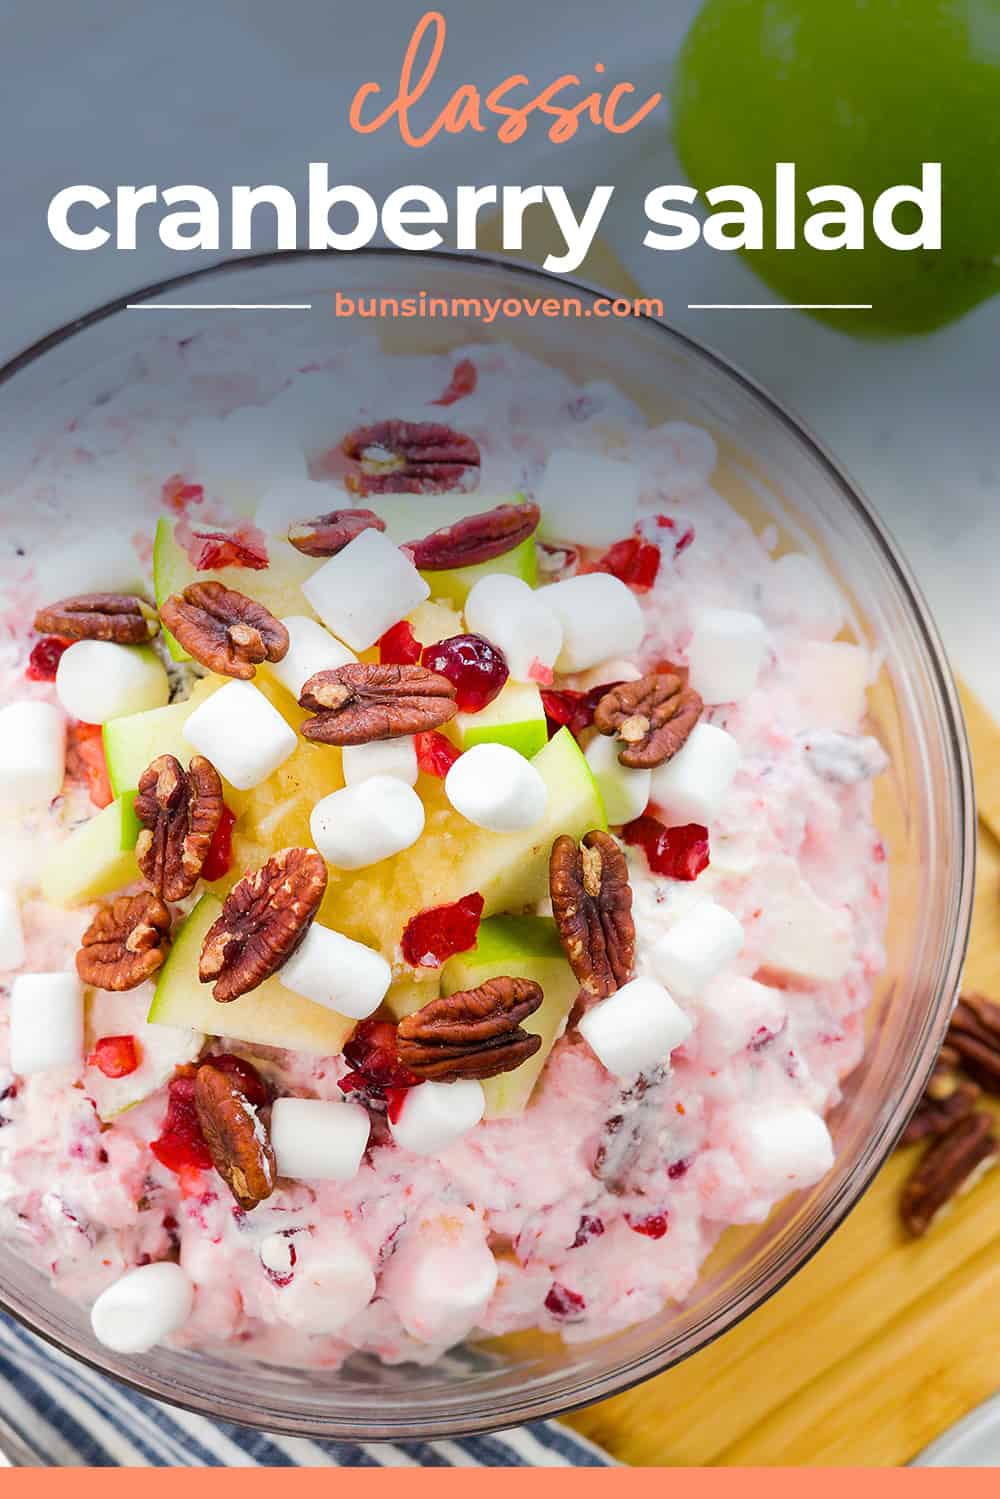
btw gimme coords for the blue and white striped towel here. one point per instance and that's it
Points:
(57, 1413)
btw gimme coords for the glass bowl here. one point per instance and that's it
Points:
(777, 474)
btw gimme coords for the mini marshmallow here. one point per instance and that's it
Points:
(310, 649)
(625, 792)
(243, 735)
(637, 1027)
(587, 498)
(32, 753)
(382, 757)
(366, 588)
(332, 1282)
(314, 1140)
(726, 654)
(46, 1022)
(97, 680)
(734, 1012)
(441, 1277)
(518, 620)
(692, 786)
(800, 938)
(600, 617)
(785, 1147)
(334, 971)
(435, 1115)
(11, 931)
(367, 822)
(496, 788)
(698, 947)
(143, 1307)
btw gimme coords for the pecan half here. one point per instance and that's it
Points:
(237, 1139)
(223, 629)
(179, 810)
(476, 538)
(328, 534)
(974, 1034)
(121, 617)
(473, 1033)
(652, 717)
(356, 704)
(395, 457)
(946, 1099)
(125, 943)
(952, 1165)
(592, 906)
(264, 918)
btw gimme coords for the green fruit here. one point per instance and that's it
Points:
(519, 947)
(133, 742)
(97, 858)
(859, 93)
(515, 717)
(455, 584)
(410, 517)
(269, 1015)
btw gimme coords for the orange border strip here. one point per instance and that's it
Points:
(495, 1483)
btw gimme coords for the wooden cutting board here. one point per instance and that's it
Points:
(880, 1343)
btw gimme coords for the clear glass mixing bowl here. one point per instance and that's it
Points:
(777, 474)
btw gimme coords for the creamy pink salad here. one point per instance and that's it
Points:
(690, 1098)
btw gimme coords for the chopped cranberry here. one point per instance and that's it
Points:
(878, 853)
(562, 1302)
(279, 1277)
(45, 657)
(209, 551)
(220, 850)
(677, 1169)
(371, 1052)
(589, 1228)
(434, 935)
(394, 1100)
(180, 1145)
(634, 561)
(462, 383)
(115, 1056)
(573, 710)
(256, 1091)
(399, 646)
(653, 1227)
(681, 853)
(86, 760)
(666, 522)
(435, 754)
(761, 1038)
(683, 541)
(177, 494)
(477, 669)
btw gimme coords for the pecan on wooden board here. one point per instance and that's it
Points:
(396, 457)
(951, 1165)
(947, 1098)
(974, 1034)
(125, 943)
(592, 907)
(123, 618)
(651, 717)
(476, 538)
(236, 1136)
(474, 1033)
(223, 629)
(326, 535)
(265, 917)
(180, 811)
(357, 704)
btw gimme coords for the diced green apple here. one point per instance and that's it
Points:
(269, 1015)
(97, 858)
(516, 717)
(456, 583)
(132, 742)
(519, 947)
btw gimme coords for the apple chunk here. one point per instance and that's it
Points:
(516, 717)
(97, 858)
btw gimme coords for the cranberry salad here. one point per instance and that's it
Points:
(439, 891)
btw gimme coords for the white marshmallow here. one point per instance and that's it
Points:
(637, 1027)
(243, 735)
(435, 1115)
(600, 617)
(587, 498)
(698, 947)
(97, 680)
(625, 792)
(363, 590)
(105, 562)
(367, 822)
(284, 501)
(11, 931)
(496, 788)
(310, 649)
(441, 1277)
(799, 937)
(785, 1147)
(46, 1022)
(316, 1140)
(726, 654)
(831, 683)
(518, 620)
(733, 1012)
(382, 757)
(32, 753)
(798, 592)
(143, 1307)
(332, 970)
(332, 1282)
(692, 786)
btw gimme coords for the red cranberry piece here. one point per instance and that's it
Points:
(45, 657)
(435, 754)
(589, 1228)
(399, 646)
(464, 378)
(85, 760)
(177, 494)
(677, 1169)
(477, 669)
(683, 541)
(434, 935)
(208, 551)
(220, 851)
(562, 1302)
(653, 1227)
(371, 1051)
(634, 561)
(279, 1277)
(180, 1145)
(681, 853)
(572, 710)
(394, 1100)
(115, 1056)
(245, 1075)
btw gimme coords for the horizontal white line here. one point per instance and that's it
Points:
(780, 306)
(218, 306)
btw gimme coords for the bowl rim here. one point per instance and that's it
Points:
(598, 1387)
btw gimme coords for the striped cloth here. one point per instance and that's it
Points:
(57, 1413)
